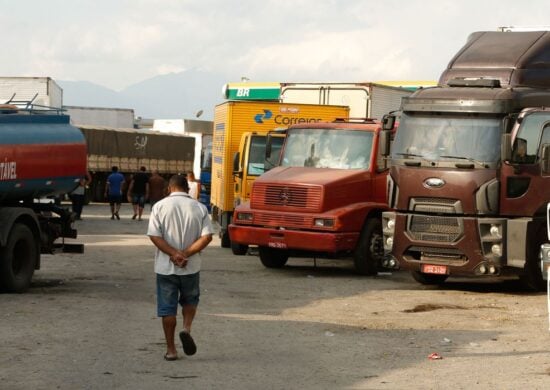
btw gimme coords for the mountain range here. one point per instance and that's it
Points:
(170, 96)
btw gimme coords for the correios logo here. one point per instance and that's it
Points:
(259, 118)
(282, 119)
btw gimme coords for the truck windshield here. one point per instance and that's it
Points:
(437, 138)
(257, 163)
(328, 148)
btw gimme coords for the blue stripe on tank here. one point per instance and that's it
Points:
(17, 189)
(30, 134)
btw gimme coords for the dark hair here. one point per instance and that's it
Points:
(114, 168)
(179, 182)
(143, 169)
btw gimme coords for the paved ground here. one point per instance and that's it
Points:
(89, 322)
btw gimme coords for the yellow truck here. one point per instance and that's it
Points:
(232, 119)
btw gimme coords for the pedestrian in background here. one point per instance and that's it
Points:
(180, 228)
(193, 185)
(113, 191)
(157, 187)
(138, 192)
(78, 196)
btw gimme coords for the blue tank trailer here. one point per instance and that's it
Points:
(41, 155)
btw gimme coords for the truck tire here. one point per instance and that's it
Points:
(428, 279)
(239, 249)
(18, 260)
(370, 248)
(273, 258)
(531, 277)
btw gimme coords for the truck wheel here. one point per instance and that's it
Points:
(370, 248)
(18, 259)
(239, 249)
(428, 279)
(531, 276)
(225, 240)
(273, 258)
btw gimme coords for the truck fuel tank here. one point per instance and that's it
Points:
(40, 155)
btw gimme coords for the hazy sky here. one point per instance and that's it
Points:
(118, 43)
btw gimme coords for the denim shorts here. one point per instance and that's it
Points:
(138, 199)
(174, 289)
(115, 199)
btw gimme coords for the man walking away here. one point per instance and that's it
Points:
(180, 228)
(113, 191)
(138, 192)
(157, 187)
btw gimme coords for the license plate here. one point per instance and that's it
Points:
(434, 269)
(277, 245)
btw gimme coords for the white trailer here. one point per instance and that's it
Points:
(200, 130)
(118, 118)
(43, 90)
(365, 100)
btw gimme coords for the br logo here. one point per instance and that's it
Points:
(259, 118)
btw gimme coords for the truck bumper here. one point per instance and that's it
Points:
(330, 242)
(468, 249)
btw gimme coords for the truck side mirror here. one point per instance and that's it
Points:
(236, 163)
(268, 140)
(506, 147)
(385, 138)
(545, 160)
(388, 121)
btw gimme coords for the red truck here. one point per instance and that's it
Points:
(324, 200)
(470, 175)
(41, 155)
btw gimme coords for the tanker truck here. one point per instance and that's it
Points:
(41, 155)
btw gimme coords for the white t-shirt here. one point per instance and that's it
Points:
(180, 221)
(193, 189)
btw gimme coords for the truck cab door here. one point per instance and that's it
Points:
(526, 179)
(239, 168)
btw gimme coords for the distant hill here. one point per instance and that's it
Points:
(174, 95)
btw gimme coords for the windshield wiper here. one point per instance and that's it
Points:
(472, 160)
(409, 155)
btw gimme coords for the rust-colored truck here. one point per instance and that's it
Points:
(470, 173)
(324, 200)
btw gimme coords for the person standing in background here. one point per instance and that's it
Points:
(138, 192)
(113, 191)
(78, 196)
(157, 187)
(193, 185)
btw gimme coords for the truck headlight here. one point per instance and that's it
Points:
(496, 249)
(245, 217)
(495, 231)
(388, 229)
(323, 222)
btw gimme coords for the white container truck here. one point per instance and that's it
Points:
(41, 91)
(365, 100)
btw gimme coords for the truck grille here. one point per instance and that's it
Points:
(305, 198)
(276, 220)
(434, 228)
(436, 205)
